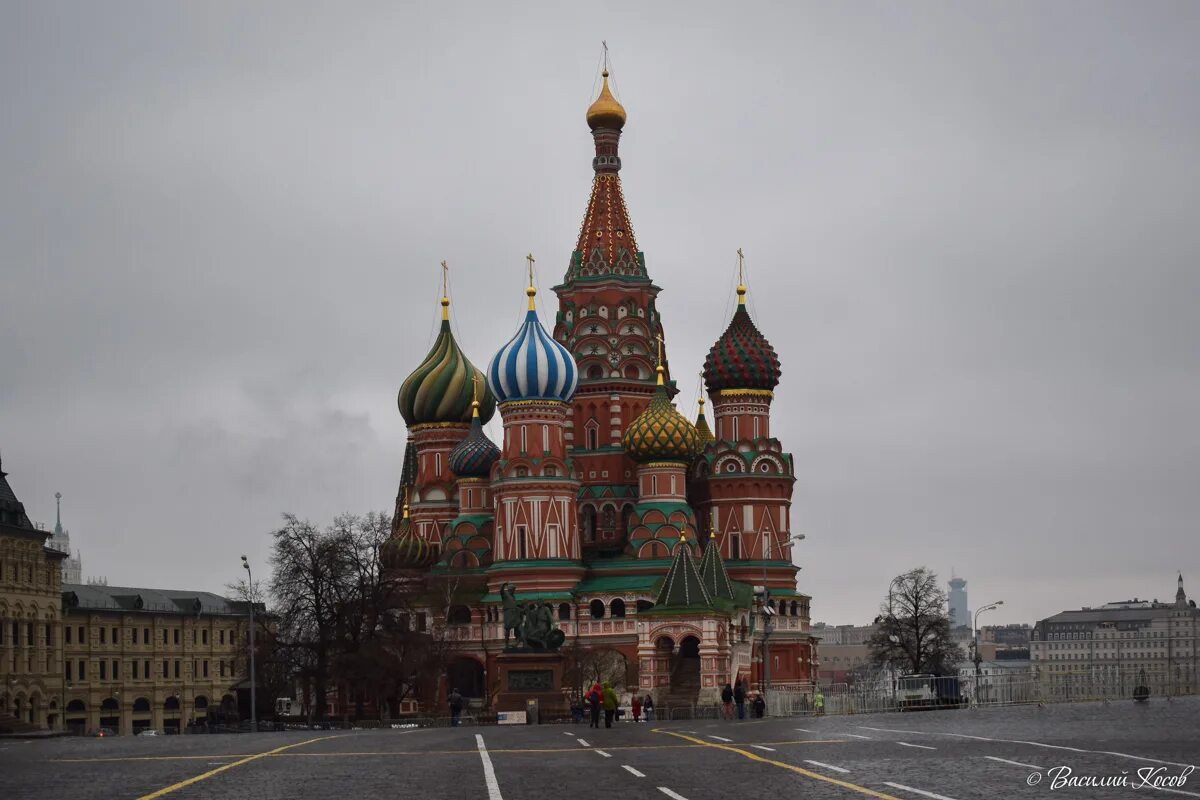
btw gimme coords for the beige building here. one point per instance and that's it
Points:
(30, 619)
(150, 658)
(1118, 646)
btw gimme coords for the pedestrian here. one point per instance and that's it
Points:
(636, 705)
(576, 710)
(727, 702)
(739, 700)
(648, 708)
(819, 703)
(760, 705)
(594, 696)
(456, 706)
(609, 698)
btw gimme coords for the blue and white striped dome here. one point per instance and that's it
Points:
(532, 366)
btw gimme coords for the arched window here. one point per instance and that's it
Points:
(564, 612)
(595, 372)
(610, 518)
(793, 608)
(617, 607)
(597, 609)
(626, 516)
(458, 615)
(735, 545)
(588, 523)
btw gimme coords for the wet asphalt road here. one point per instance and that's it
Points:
(934, 755)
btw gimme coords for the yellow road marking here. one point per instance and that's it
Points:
(854, 787)
(176, 786)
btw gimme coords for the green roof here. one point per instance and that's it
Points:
(617, 583)
(713, 574)
(528, 596)
(682, 587)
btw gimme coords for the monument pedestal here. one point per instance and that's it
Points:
(531, 675)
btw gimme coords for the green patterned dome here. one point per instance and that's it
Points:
(440, 389)
(660, 433)
(404, 549)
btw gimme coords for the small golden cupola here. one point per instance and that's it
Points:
(606, 112)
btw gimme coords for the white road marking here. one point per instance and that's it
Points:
(826, 766)
(567, 733)
(719, 738)
(1031, 744)
(806, 730)
(671, 794)
(922, 746)
(489, 772)
(921, 792)
(856, 736)
(583, 742)
(633, 771)
(606, 755)
(760, 747)
(1015, 763)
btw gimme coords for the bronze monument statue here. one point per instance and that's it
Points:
(532, 625)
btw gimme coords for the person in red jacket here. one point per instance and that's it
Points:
(636, 704)
(594, 697)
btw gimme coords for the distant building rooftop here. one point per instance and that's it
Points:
(151, 601)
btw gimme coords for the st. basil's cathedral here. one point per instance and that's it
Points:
(644, 532)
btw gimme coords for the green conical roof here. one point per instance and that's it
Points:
(683, 588)
(712, 572)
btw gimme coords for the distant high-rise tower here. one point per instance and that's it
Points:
(72, 566)
(959, 613)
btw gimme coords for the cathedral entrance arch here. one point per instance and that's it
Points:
(685, 671)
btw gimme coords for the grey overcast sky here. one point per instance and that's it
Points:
(972, 234)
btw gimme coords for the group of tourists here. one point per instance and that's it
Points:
(602, 697)
(736, 697)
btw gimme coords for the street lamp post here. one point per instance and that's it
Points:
(769, 619)
(978, 657)
(253, 694)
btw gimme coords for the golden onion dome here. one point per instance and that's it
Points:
(660, 433)
(605, 112)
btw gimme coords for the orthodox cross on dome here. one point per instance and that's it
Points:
(530, 291)
(741, 287)
(445, 291)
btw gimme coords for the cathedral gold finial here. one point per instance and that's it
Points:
(405, 516)
(445, 293)
(530, 292)
(701, 392)
(605, 112)
(659, 368)
(741, 287)
(475, 396)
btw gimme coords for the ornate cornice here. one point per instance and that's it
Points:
(745, 393)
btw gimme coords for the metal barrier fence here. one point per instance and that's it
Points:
(883, 693)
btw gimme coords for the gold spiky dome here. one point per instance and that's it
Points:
(606, 112)
(660, 433)
(404, 549)
(703, 432)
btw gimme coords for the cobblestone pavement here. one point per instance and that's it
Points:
(948, 755)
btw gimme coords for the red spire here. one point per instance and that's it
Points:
(606, 246)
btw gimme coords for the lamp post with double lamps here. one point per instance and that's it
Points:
(764, 596)
(975, 628)
(250, 595)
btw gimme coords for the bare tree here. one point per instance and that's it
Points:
(913, 633)
(309, 573)
(584, 665)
